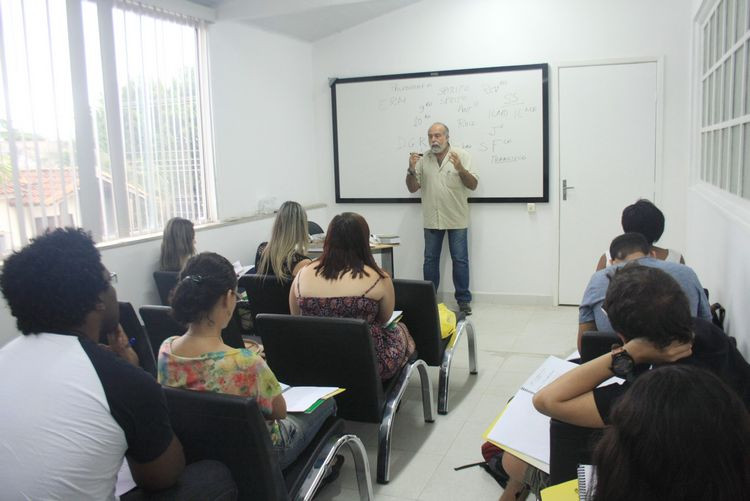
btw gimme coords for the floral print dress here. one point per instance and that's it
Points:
(392, 346)
(238, 371)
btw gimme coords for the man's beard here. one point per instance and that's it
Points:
(436, 148)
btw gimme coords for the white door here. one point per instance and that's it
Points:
(607, 160)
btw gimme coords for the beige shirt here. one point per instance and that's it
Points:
(444, 196)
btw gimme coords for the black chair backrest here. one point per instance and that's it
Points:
(165, 282)
(134, 330)
(313, 228)
(317, 351)
(595, 344)
(159, 324)
(266, 294)
(417, 299)
(232, 430)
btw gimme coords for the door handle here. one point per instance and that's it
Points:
(565, 189)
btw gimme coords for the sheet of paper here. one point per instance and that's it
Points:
(300, 398)
(551, 369)
(125, 482)
(524, 429)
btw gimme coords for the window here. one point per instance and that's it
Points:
(725, 104)
(103, 119)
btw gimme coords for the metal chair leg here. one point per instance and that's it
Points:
(391, 405)
(361, 468)
(445, 366)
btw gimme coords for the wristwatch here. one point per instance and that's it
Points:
(622, 362)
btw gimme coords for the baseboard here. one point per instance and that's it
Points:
(494, 298)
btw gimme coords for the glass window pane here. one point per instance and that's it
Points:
(710, 110)
(739, 61)
(716, 168)
(717, 95)
(158, 75)
(741, 19)
(39, 88)
(746, 161)
(712, 44)
(704, 154)
(705, 47)
(734, 160)
(727, 94)
(720, 26)
(745, 97)
(731, 22)
(725, 168)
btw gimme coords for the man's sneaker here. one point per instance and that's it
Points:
(465, 308)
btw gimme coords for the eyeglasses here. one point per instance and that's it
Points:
(112, 277)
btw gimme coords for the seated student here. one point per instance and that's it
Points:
(650, 313)
(346, 282)
(678, 433)
(285, 255)
(204, 299)
(71, 408)
(645, 218)
(633, 247)
(177, 244)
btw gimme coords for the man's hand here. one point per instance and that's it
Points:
(456, 161)
(119, 344)
(413, 159)
(644, 351)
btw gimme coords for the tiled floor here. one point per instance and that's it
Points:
(512, 341)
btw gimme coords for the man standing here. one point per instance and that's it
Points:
(445, 176)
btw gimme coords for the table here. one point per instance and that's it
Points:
(385, 251)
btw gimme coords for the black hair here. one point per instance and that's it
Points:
(54, 282)
(647, 302)
(645, 218)
(678, 433)
(204, 279)
(628, 243)
(346, 248)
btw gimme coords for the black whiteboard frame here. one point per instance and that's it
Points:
(496, 69)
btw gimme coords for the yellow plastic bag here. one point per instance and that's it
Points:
(447, 321)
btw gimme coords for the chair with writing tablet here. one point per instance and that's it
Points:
(138, 337)
(266, 294)
(596, 343)
(165, 282)
(417, 299)
(232, 430)
(160, 325)
(323, 351)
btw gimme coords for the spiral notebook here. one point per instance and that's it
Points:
(586, 482)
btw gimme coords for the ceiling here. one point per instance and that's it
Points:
(308, 20)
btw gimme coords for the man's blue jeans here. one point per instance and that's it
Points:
(459, 247)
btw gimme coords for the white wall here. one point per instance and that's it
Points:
(718, 239)
(261, 87)
(513, 254)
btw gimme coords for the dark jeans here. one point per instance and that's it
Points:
(200, 481)
(459, 247)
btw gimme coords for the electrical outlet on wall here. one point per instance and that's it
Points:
(531, 208)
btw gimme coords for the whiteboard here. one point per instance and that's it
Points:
(499, 115)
